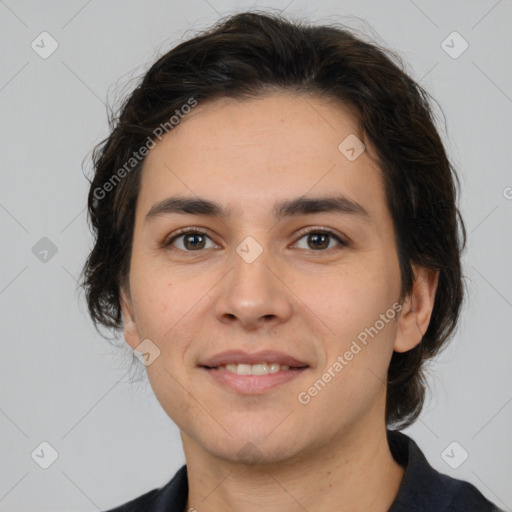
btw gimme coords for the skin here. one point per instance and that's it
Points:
(332, 453)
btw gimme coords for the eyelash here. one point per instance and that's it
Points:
(301, 234)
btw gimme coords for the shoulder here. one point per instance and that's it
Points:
(424, 489)
(169, 498)
(465, 497)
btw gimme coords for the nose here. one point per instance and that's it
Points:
(253, 294)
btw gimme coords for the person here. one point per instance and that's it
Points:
(277, 236)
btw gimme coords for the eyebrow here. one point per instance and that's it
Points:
(289, 208)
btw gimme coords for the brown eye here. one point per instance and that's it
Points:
(190, 241)
(193, 241)
(320, 240)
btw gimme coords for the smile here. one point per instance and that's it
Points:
(256, 379)
(254, 369)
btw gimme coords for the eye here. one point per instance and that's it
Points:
(190, 240)
(193, 240)
(320, 239)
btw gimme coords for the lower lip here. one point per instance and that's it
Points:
(253, 384)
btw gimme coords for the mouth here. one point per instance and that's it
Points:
(253, 374)
(270, 358)
(255, 369)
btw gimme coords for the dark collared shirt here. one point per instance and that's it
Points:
(423, 489)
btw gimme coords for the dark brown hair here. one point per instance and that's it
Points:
(247, 55)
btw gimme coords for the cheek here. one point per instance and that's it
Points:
(350, 303)
(159, 305)
(349, 298)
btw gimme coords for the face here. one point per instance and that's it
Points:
(291, 265)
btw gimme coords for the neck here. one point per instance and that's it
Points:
(356, 473)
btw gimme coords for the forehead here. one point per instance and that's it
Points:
(248, 154)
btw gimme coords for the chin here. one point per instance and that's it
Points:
(256, 446)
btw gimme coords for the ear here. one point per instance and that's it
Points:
(131, 334)
(416, 310)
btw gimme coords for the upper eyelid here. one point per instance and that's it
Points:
(315, 229)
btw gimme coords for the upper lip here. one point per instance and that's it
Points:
(241, 357)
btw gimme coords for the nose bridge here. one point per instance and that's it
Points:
(251, 292)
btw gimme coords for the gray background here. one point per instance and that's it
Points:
(63, 384)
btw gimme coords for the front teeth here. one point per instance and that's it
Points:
(254, 369)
